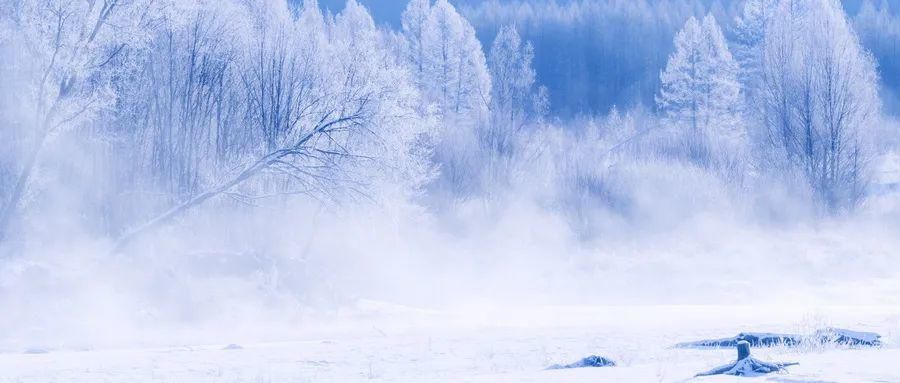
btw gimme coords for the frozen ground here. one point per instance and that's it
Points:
(377, 342)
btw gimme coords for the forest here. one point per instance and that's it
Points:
(189, 162)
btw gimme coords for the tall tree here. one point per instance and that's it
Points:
(414, 22)
(515, 100)
(700, 93)
(749, 36)
(455, 62)
(71, 48)
(450, 68)
(329, 112)
(821, 99)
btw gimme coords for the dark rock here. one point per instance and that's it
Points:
(591, 361)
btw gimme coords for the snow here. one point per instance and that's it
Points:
(494, 344)
(196, 190)
(844, 336)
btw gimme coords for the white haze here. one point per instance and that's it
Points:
(662, 231)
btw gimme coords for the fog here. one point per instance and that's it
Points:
(261, 170)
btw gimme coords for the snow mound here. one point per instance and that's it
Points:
(847, 337)
(233, 346)
(591, 361)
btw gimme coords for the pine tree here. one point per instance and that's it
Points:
(414, 21)
(680, 96)
(515, 102)
(723, 89)
(447, 59)
(700, 94)
(513, 94)
(450, 69)
(749, 33)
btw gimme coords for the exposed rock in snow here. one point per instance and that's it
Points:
(591, 361)
(36, 350)
(233, 347)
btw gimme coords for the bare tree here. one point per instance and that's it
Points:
(326, 112)
(820, 99)
(71, 44)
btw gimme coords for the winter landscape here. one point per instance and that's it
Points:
(450, 191)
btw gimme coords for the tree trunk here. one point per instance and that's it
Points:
(9, 210)
(176, 211)
(743, 350)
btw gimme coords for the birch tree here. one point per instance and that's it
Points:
(821, 99)
(71, 48)
(330, 113)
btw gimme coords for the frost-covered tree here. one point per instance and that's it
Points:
(749, 36)
(515, 100)
(749, 32)
(186, 101)
(700, 94)
(183, 99)
(450, 68)
(322, 106)
(414, 23)
(821, 99)
(456, 68)
(398, 135)
(66, 54)
(587, 68)
(514, 97)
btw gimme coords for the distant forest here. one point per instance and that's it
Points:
(596, 54)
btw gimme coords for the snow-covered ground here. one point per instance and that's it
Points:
(377, 342)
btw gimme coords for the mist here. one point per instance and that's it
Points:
(197, 172)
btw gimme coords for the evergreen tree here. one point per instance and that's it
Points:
(515, 101)
(700, 94)
(414, 21)
(450, 69)
(749, 33)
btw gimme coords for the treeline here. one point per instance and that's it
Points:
(128, 115)
(598, 54)
(135, 112)
(123, 116)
